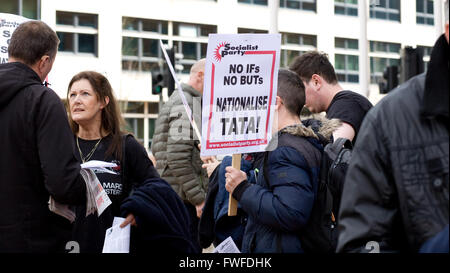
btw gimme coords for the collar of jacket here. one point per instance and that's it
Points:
(436, 99)
(190, 90)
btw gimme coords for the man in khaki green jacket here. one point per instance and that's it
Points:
(175, 147)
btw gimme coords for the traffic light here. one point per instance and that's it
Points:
(169, 81)
(411, 63)
(390, 76)
(157, 83)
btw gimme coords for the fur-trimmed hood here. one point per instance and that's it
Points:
(316, 126)
(311, 125)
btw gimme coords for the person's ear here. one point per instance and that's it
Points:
(316, 81)
(278, 102)
(43, 63)
(105, 102)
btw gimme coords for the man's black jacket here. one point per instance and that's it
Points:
(36, 161)
(396, 191)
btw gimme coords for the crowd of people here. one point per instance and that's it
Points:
(395, 194)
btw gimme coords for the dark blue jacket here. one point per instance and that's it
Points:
(279, 207)
(161, 217)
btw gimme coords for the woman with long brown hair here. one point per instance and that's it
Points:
(96, 121)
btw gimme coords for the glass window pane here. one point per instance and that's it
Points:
(150, 48)
(352, 44)
(291, 54)
(352, 11)
(153, 108)
(203, 50)
(430, 21)
(86, 43)
(130, 65)
(341, 77)
(151, 129)
(136, 127)
(87, 20)
(29, 9)
(150, 66)
(430, 8)
(293, 38)
(395, 48)
(164, 27)
(420, 20)
(380, 15)
(132, 107)
(64, 18)
(150, 25)
(293, 4)
(394, 16)
(339, 61)
(10, 6)
(186, 68)
(66, 41)
(352, 63)
(394, 4)
(260, 2)
(353, 78)
(339, 42)
(309, 6)
(189, 50)
(339, 10)
(309, 40)
(205, 30)
(129, 23)
(419, 6)
(129, 46)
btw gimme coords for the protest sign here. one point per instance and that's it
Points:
(8, 23)
(240, 88)
(239, 92)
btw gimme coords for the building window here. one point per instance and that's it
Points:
(295, 44)
(299, 4)
(346, 61)
(144, 54)
(26, 8)
(256, 2)
(384, 47)
(144, 25)
(345, 43)
(346, 7)
(140, 120)
(382, 54)
(424, 12)
(78, 32)
(386, 10)
(347, 68)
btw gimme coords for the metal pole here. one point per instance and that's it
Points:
(363, 45)
(438, 17)
(273, 10)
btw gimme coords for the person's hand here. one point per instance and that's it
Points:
(233, 177)
(211, 165)
(129, 220)
(199, 209)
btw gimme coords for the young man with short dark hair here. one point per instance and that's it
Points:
(324, 93)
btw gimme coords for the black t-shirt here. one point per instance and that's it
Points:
(89, 231)
(349, 107)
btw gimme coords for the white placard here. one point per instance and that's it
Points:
(240, 89)
(227, 246)
(117, 239)
(8, 23)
